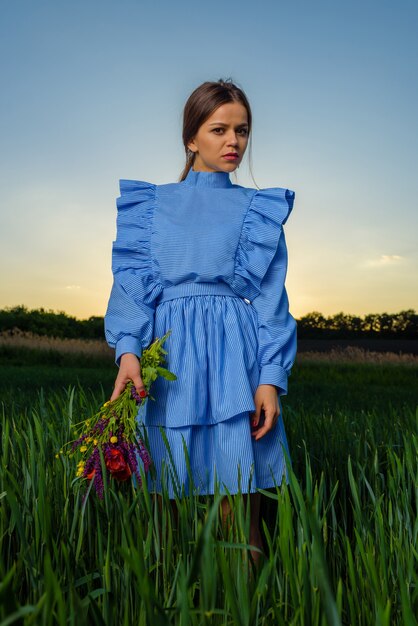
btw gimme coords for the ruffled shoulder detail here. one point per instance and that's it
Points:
(134, 192)
(268, 211)
(132, 256)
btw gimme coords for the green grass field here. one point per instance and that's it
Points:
(340, 540)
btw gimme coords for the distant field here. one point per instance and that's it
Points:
(399, 346)
(354, 354)
(17, 346)
(343, 375)
(319, 386)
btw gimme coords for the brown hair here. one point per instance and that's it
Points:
(202, 102)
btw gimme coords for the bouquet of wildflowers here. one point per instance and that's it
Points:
(111, 433)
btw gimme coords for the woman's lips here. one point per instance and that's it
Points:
(231, 156)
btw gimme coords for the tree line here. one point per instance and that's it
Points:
(402, 325)
(313, 325)
(50, 323)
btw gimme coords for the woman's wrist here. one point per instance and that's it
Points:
(269, 385)
(129, 354)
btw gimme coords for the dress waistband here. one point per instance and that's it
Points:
(195, 289)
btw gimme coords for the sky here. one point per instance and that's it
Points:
(93, 91)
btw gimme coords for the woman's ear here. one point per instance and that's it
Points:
(192, 146)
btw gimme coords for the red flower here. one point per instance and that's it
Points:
(91, 474)
(117, 466)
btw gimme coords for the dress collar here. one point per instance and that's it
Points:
(207, 179)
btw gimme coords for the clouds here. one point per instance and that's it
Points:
(386, 260)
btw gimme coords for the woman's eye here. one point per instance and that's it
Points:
(241, 131)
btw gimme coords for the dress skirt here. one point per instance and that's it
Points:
(198, 429)
(222, 458)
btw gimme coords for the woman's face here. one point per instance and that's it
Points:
(221, 140)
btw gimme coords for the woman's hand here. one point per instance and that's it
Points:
(266, 398)
(129, 369)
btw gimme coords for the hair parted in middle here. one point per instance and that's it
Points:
(202, 102)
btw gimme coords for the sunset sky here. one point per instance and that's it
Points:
(93, 91)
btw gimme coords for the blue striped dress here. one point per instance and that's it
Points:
(206, 259)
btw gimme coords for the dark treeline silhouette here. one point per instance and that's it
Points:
(50, 323)
(402, 325)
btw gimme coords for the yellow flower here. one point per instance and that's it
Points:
(95, 442)
(106, 403)
(88, 439)
(113, 439)
(80, 471)
(83, 448)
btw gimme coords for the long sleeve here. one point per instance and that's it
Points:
(277, 328)
(260, 273)
(128, 323)
(129, 319)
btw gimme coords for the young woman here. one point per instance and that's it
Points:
(207, 259)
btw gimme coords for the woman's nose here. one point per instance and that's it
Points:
(233, 140)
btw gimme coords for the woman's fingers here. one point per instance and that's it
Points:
(118, 389)
(139, 385)
(255, 415)
(138, 382)
(129, 370)
(271, 417)
(121, 383)
(265, 401)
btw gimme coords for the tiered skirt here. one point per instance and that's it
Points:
(198, 429)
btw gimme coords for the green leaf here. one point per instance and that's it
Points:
(165, 373)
